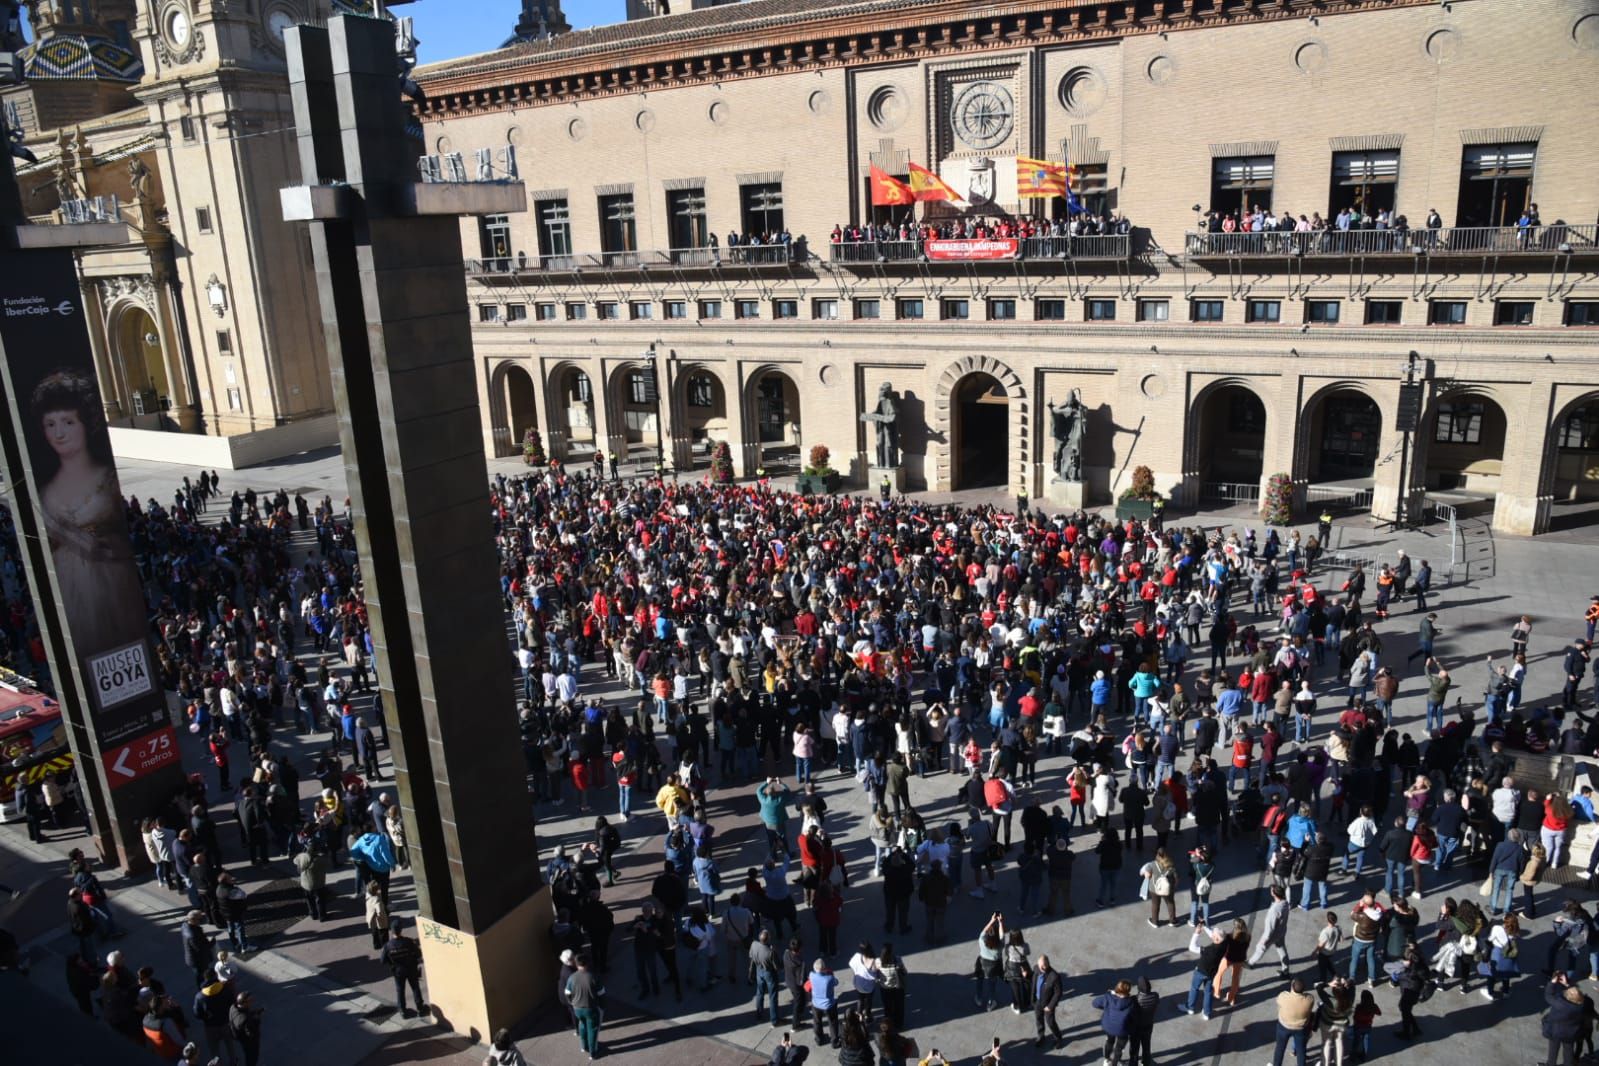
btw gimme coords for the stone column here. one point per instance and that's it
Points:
(1521, 505)
(395, 314)
(174, 342)
(110, 381)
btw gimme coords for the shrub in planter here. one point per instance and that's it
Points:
(1138, 498)
(533, 449)
(818, 475)
(1277, 507)
(721, 463)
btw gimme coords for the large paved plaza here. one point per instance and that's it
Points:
(322, 983)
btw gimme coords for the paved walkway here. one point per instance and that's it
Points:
(323, 983)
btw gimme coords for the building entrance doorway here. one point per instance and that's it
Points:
(980, 434)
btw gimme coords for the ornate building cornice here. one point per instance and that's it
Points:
(760, 39)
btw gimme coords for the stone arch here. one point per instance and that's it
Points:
(1207, 455)
(944, 418)
(1568, 477)
(1471, 466)
(572, 421)
(139, 366)
(513, 406)
(633, 421)
(767, 429)
(1311, 461)
(696, 428)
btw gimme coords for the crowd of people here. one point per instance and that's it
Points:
(1211, 688)
(761, 634)
(981, 227)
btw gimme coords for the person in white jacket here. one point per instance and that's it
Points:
(1362, 831)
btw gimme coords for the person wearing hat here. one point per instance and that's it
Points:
(568, 968)
(210, 1008)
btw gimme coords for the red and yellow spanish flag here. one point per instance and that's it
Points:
(889, 191)
(1039, 178)
(929, 186)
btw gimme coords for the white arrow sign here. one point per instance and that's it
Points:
(120, 766)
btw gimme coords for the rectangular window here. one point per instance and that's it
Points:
(746, 309)
(186, 128)
(1099, 311)
(1154, 310)
(907, 309)
(762, 208)
(954, 310)
(1239, 184)
(1582, 313)
(868, 309)
(785, 308)
(1207, 310)
(640, 310)
(555, 229)
(494, 236)
(1495, 183)
(710, 309)
(640, 387)
(202, 219)
(685, 218)
(608, 310)
(1513, 312)
(1459, 422)
(1049, 310)
(544, 312)
(1446, 313)
(825, 310)
(1364, 181)
(701, 391)
(516, 312)
(1384, 312)
(618, 232)
(235, 400)
(675, 308)
(576, 312)
(1264, 311)
(1001, 310)
(224, 342)
(1580, 430)
(488, 312)
(1322, 312)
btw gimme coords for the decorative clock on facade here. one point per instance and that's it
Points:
(278, 21)
(177, 41)
(983, 116)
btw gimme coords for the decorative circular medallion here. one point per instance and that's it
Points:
(1161, 70)
(577, 129)
(983, 115)
(1442, 45)
(278, 21)
(886, 109)
(1310, 57)
(828, 374)
(1082, 91)
(819, 101)
(1153, 386)
(644, 120)
(443, 146)
(717, 113)
(1585, 33)
(514, 135)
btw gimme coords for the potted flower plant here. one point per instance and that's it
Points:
(1138, 499)
(818, 475)
(533, 449)
(1277, 508)
(721, 463)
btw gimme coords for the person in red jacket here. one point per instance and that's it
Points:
(1243, 758)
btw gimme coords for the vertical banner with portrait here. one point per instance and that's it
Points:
(68, 473)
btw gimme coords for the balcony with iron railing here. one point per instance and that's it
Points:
(1551, 240)
(1018, 249)
(744, 256)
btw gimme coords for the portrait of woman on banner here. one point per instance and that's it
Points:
(82, 508)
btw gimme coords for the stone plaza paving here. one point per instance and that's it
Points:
(328, 1000)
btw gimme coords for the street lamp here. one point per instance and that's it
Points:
(1407, 422)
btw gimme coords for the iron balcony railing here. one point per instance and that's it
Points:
(661, 259)
(1099, 246)
(1560, 239)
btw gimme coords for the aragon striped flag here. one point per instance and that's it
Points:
(889, 191)
(929, 186)
(1039, 178)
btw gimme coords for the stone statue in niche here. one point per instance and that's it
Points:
(885, 417)
(1068, 428)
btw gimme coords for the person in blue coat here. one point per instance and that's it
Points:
(1118, 1017)
(708, 877)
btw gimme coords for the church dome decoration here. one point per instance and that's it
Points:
(76, 57)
